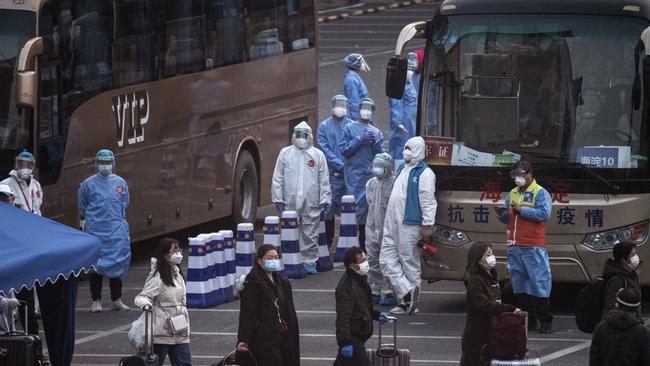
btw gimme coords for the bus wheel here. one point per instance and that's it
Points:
(245, 191)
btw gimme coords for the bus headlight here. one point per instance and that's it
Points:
(637, 234)
(444, 235)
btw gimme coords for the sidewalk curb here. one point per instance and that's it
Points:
(373, 9)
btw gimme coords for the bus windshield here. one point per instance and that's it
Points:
(559, 88)
(16, 28)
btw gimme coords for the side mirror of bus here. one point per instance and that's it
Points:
(396, 77)
(645, 39)
(26, 75)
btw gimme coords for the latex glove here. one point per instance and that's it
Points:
(242, 347)
(13, 303)
(324, 206)
(367, 135)
(383, 318)
(279, 206)
(347, 351)
(427, 233)
(402, 127)
(147, 306)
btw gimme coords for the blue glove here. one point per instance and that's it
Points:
(324, 206)
(383, 318)
(279, 206)
(347, 351)
(368, 135)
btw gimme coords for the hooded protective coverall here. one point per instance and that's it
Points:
(400, 257)
(301, 182)
(402, 112)
(329, 136)
(102, 201)
(354, 89)
(377, 194)
(29, 197)
(359, 154)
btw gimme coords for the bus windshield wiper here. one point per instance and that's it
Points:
(614, 188)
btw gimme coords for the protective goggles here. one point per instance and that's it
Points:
(340, 103)
(517, 173)
(301, 134)
(24, 164)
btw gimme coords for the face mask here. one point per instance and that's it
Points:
(365, 114)
(25, 173)
(491, 261)
(105, 169)
(520, 181)
(339, 112)
(408, 155)
(363, 268)
(272, 265)
(633, 262)
(300, 142)
(176, 258)
(378, 171)
(409, 75)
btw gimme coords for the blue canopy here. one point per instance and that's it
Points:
(36, 250)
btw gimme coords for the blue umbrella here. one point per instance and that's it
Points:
(39, 251)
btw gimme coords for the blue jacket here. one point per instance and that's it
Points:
(413, 212)
(354, 89)
(402, 111)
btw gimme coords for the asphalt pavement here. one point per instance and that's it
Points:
(433, 335)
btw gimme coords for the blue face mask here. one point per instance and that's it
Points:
(272, 265)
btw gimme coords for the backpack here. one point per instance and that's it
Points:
(589, 305)
(508, 338)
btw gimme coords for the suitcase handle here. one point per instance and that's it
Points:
(383, 349)
(148, 327)
(233, 354)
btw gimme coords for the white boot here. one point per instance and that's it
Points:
(119, 305)
(96, 307)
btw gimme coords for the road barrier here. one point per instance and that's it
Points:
(324, 262)
(290, 243)
(272, 236)
(245, 249)
(199, 292)
(348, 231)
(231, 270)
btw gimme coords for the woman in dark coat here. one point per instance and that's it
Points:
(621, 272)
(483, 303)
(268, 325)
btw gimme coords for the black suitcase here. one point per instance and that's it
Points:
(21, 349)
(148, 357)
(387, 354)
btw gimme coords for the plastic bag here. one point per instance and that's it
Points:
(137, 334)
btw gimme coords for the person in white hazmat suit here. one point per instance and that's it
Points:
(410, 217)
(301, 183)
(378, 190)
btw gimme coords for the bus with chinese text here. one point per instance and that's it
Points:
(564, 84)
(195, 97)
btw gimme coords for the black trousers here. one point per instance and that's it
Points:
(32, 324)
(359, 357)
(538, 308)
(362, 236)
(96, 281)
(58, 302)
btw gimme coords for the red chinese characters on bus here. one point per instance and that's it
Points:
(491, 190)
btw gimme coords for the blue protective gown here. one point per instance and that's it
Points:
(102, 201)
(354, 89)
(358, 156)
(402, 111)
(329, 136)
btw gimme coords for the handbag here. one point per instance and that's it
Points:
(177, 324)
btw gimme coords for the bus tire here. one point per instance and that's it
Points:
(245, 191)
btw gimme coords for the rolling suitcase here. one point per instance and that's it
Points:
(388, 354)
(514, 348)
(148, 358)
(21, 349)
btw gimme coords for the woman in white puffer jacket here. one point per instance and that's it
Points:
(165, 291)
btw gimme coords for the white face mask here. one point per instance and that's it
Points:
(25, 173)
(105, 169)
(520, 181)
(176, 258)
(408, 155)
(490, 261)
(363, 268)
(365, 114)
(378, 171)
(633, 262)
(339, 112)
(300, 142)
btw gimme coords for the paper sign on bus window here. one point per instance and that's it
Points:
(612, 157)
(465, 156)
(439, 150)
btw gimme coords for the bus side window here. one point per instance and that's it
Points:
(225, 28)
(266, 28)
(181, 29)
(133, 43)
(301, 24)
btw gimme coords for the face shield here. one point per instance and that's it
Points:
(302, 136)
(363, 66)
(382, 166)
(339, 108)
(105, 167)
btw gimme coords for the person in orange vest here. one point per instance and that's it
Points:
(526, 211)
